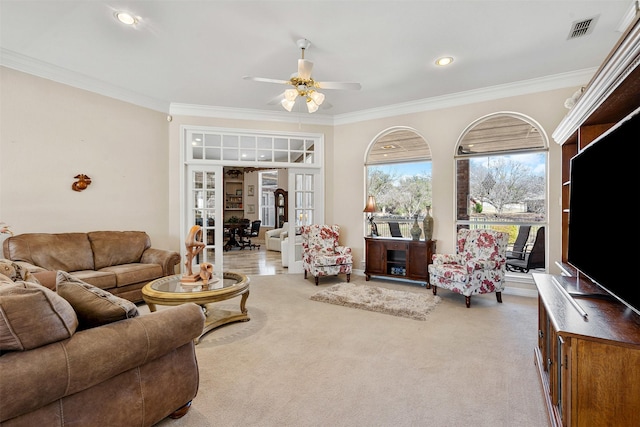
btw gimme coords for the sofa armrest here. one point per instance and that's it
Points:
(31, 268)
(441, 259)
(273, 233)
(34, 378)
(167, 259)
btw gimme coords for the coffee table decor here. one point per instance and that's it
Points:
(172, 290)
(413, 305)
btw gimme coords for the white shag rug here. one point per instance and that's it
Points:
(414, 305)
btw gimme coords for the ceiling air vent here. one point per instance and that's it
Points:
(582, 28)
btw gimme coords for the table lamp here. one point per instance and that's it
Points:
(370, 208)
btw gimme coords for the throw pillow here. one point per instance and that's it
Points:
(15, 271)
(93, 306)
(32, 316)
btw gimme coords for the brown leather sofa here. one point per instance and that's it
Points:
(130, 372)
(121, 262)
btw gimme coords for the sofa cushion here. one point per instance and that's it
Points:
(93, 306)
(64, 251)
(32, 316)
(128, 274)
(99, 279)
(117, 247)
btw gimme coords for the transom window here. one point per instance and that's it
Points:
(229, 146)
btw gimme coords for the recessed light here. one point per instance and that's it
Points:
(126, 18)
(388, 147)
(445, 60)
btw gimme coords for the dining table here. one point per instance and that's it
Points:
(234, 237)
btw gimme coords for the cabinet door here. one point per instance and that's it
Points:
(417, 261)
(375, 257)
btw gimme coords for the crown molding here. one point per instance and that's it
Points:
(557, 81)
(248, 114)
(621, 62)
(38, 68)
(48, 71)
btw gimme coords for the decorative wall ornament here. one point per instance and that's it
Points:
(82, 182)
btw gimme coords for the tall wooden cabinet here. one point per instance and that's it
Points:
(399, 258)
(588, 350)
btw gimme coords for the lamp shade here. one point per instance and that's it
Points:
(290, 94)
(371, 204)
(311, 106)
(288, 105)
(317, 97)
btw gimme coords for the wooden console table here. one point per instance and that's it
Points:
(399, 258)
(587, 354)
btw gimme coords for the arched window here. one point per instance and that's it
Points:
(501, 167)
(398, 169)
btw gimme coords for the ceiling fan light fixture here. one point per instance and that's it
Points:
(287, 104)
(303, 85)
(312, 106)
(291, 94)
(317, 97)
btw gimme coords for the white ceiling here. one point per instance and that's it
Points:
(196, 52)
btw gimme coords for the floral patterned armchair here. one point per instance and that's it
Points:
(478, 267)
(321, 254)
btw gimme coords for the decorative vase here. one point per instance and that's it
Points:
(415, 230)
(427, 225)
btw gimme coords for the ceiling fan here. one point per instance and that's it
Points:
(303, 84)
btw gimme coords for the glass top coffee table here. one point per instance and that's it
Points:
(170, 291)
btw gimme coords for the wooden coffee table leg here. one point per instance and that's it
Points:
(243, 302)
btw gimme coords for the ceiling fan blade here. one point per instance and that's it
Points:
(276, 99)
(265, 80)
(339, 85)
(304, 68)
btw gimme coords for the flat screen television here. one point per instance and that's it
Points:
(604, 220)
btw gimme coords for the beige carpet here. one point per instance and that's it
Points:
(301, 363)
(414, 305)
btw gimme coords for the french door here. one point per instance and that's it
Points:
(205, 151)
(306, 206)
(204, 208)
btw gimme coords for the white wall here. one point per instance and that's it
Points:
(51, 132)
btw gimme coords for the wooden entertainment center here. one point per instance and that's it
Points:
(588, 352)
(399, 258)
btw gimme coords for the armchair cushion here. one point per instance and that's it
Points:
(32, 316)
(93, 306)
